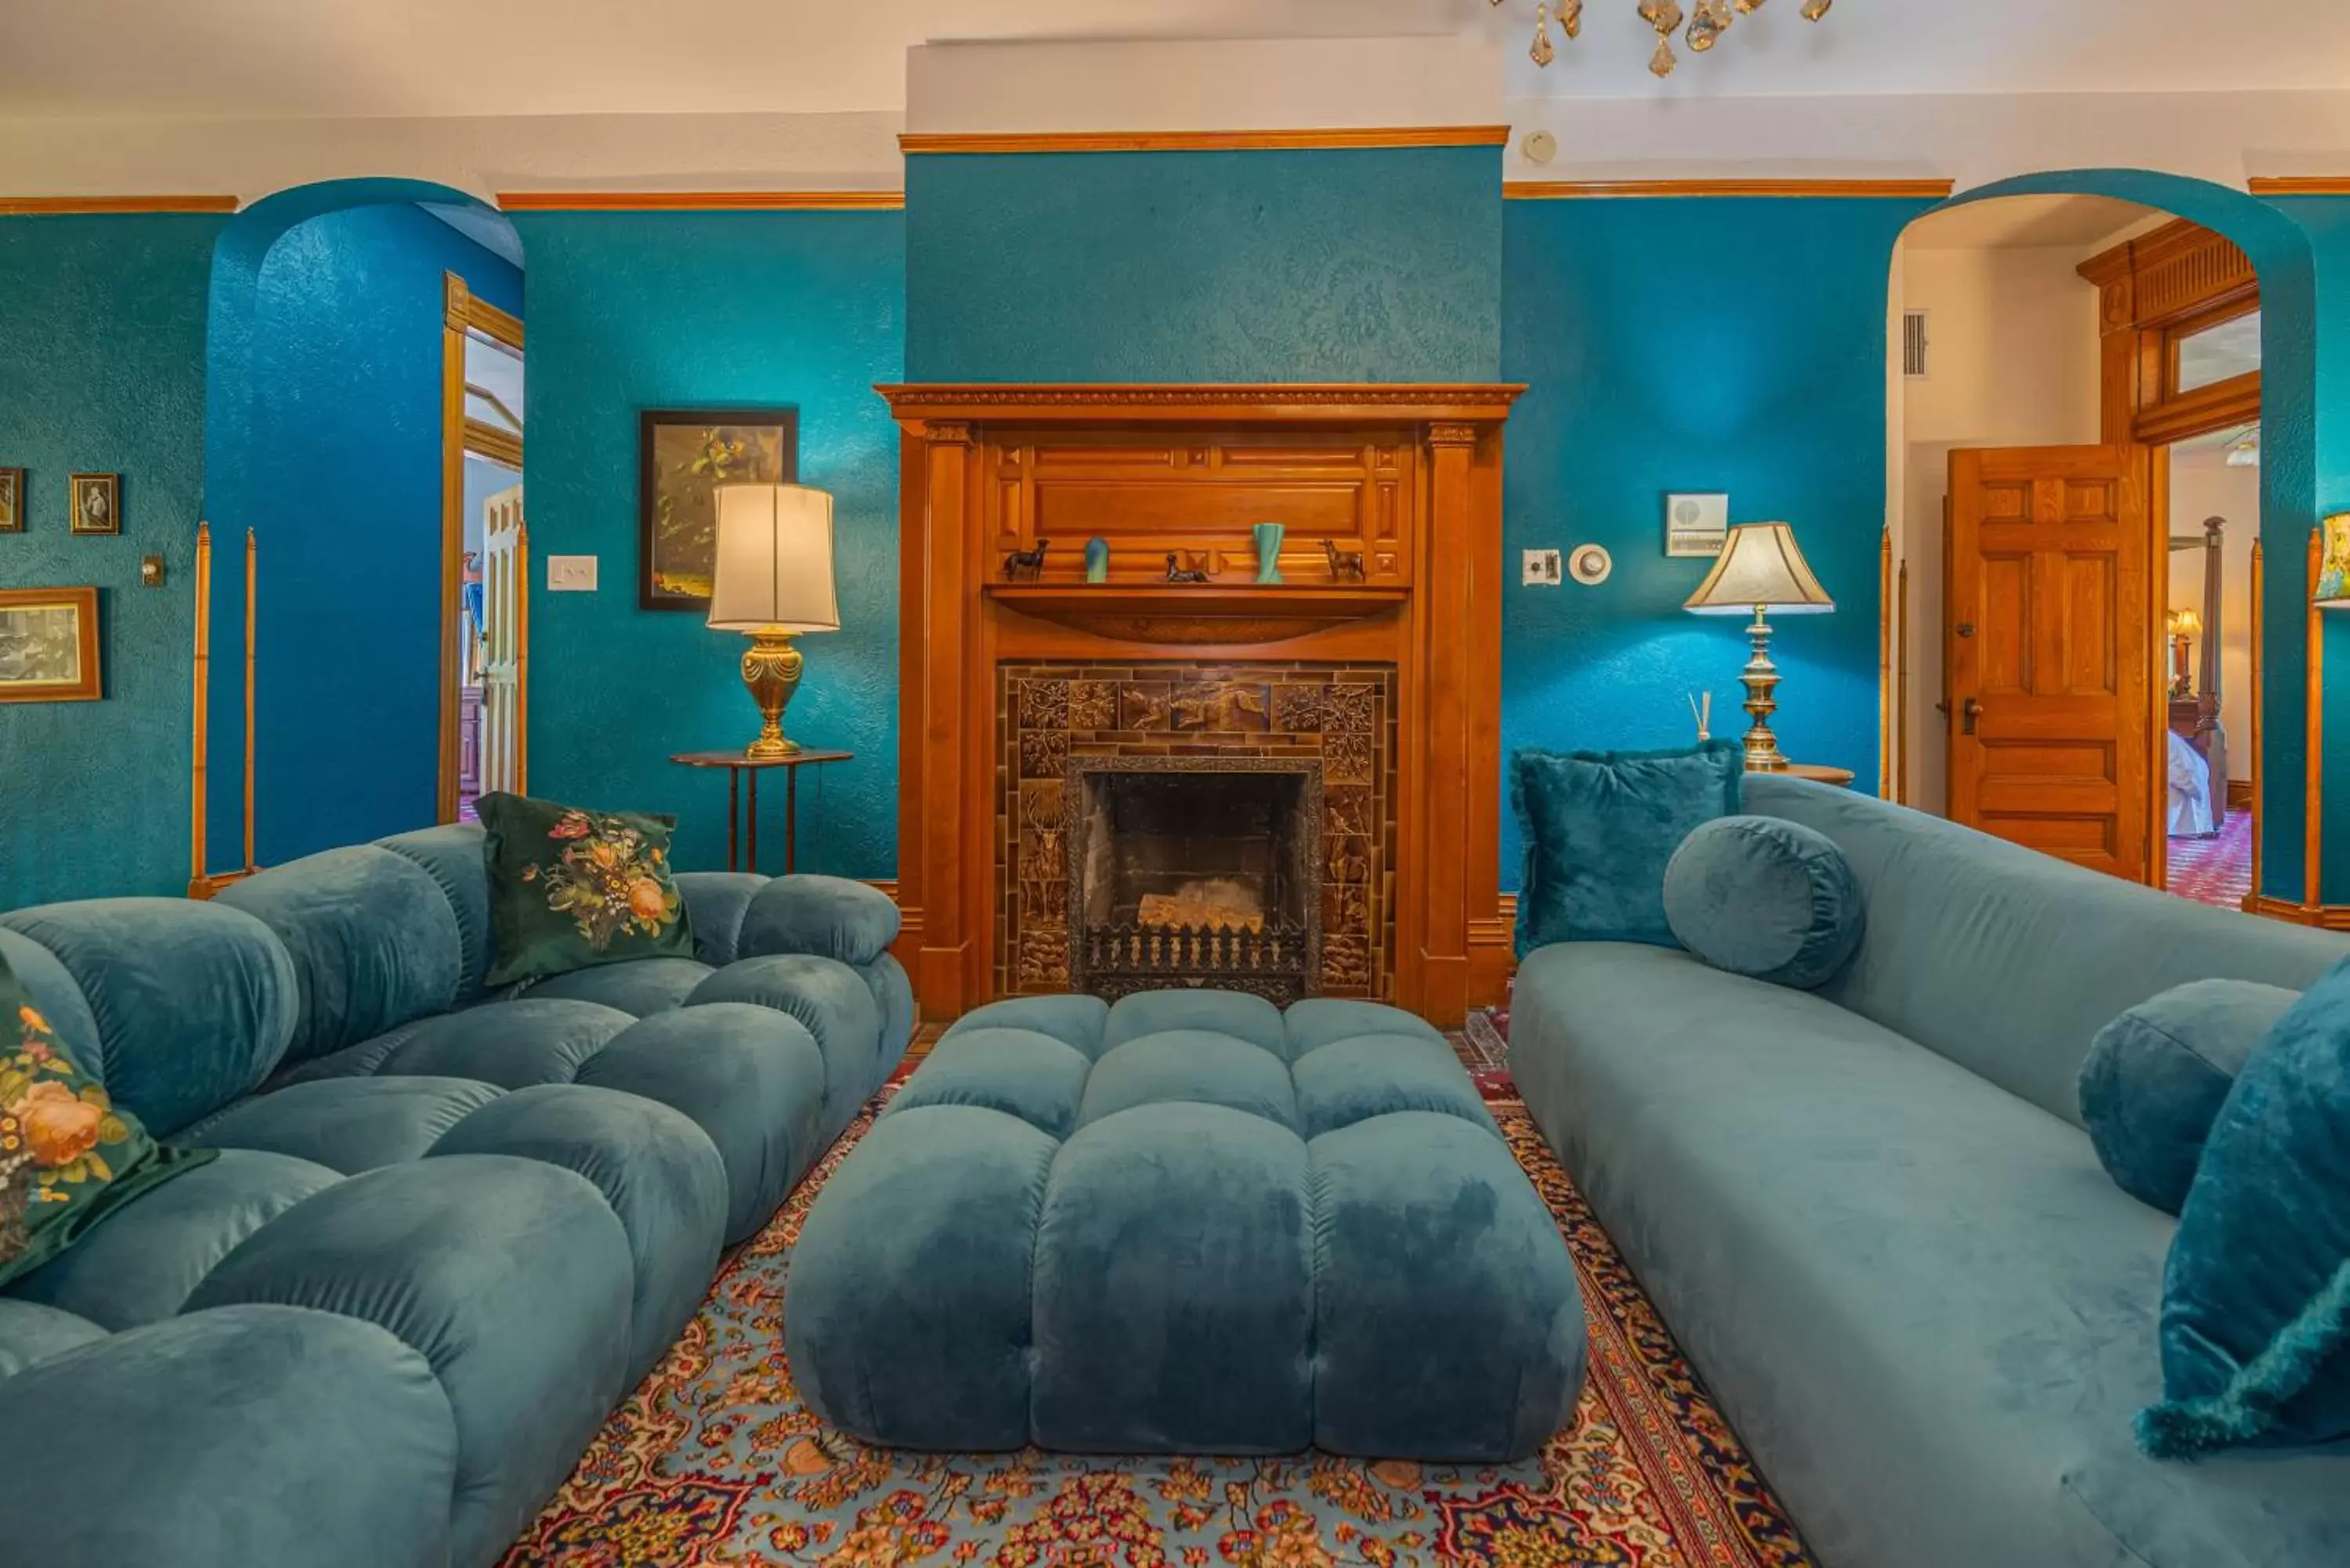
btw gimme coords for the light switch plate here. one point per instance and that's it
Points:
(571, 574)
(1541, 569)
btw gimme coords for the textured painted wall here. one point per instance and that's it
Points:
(2326, 220)
(630, 311)
(102, 370)
(344, 481)
(1375, 265)
(1674, 345)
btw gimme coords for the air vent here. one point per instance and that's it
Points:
(1913, 344)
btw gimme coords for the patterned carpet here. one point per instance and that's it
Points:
(714, 1460)
(2215, 870)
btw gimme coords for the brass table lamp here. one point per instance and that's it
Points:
(774, 581)
(1761, 570)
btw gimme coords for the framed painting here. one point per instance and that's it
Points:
(684, 455)
(12, 501)
(48, 645)
(97, 503)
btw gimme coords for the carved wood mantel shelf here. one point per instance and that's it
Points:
(1404, 479)
(1190, 613)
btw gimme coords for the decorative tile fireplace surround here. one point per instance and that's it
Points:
(1289, 788)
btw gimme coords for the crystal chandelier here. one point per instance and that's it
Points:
(1706, 23)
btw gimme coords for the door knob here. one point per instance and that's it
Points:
(1969, 714)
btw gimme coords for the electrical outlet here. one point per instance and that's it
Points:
(571, 574)
(1542, 569)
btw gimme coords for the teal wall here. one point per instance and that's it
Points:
(345, 479)
(638, 310)
(2325, 220)
(102, 370)
(1368, 265)
(1675, 345)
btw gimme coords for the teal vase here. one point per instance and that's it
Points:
(1097, 560)
(1268, 551)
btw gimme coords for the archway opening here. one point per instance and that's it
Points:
(2041, 344)
(361, 333)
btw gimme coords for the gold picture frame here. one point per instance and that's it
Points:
(97, 503)
(12, 501)
(48, 645)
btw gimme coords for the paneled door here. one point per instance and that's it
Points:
(505, 636)
(2050, 653)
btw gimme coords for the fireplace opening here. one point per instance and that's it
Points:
(1202, 871)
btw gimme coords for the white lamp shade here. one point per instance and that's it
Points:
(1759, 568)
(774, 559)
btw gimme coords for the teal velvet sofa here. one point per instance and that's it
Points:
(446, 1229)
(1873, 1219)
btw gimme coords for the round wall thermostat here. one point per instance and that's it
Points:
(1589, 564)
(1541, 147)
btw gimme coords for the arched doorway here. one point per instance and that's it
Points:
(2058, 780)
(349, 323)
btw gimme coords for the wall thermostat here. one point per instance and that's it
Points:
(1590, 565)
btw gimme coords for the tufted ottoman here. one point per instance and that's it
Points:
(1189, 1223)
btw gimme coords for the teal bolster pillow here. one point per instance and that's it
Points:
(1762, 897)
(2155, 1077)
(1599, 828)
(2256, 1295)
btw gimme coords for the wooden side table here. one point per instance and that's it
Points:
(736, 765)
(1818, 773)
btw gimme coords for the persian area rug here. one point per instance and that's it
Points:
(2218, 870)
(713, 1460)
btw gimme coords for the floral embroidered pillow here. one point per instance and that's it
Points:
(571, 888)
(68, 1157)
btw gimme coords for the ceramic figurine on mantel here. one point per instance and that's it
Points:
(1096, 559)
(1268, 551)
(1026, 566)
(1178, 573)
(1346, 565)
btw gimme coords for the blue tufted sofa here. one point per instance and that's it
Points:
(446, 1230)
(1872, 1217)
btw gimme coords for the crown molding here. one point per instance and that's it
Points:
(701, 200)
(112, 207)
(1205, 140)
(2301, 185)
(1567, 189)
(1134, 401)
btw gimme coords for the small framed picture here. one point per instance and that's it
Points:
(48, 645)
(97, 504)
(684, 455)
(12, 501)
(1696, 524)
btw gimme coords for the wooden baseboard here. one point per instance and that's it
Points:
(2240, 794)
(2324, 917)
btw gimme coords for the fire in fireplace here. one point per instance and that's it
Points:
(1195, 870)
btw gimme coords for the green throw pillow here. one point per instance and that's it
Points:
(570, 889)
(68, 1157)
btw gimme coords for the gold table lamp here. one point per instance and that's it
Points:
(1761, 570)
(774, 581)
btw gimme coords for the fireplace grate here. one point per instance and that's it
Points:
(1122, 958)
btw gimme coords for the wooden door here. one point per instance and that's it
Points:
(2048, 620)
(505, 656)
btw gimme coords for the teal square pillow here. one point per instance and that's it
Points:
(570, 889)
(2256, 1292)
(69, 1156)
(1600, 827)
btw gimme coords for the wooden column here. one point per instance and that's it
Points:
(950, 612)
(1437, 865)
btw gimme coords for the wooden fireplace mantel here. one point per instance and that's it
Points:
(1404, 480)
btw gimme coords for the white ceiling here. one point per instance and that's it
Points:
(264, 58)
(2019, 222)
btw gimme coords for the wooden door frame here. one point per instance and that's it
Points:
(462, 316)
(2153, 291)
